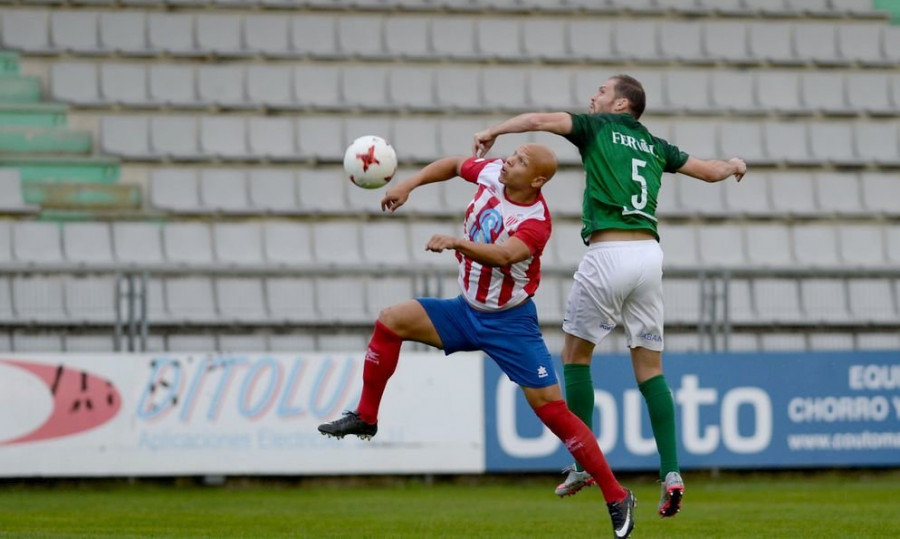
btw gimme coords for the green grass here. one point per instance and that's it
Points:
(849, 504)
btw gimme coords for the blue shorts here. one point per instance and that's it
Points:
(512, 338)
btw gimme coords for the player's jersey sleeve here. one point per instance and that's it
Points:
(472, 167)
(535, 234)
(673, 156)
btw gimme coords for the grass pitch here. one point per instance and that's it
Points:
(845, 504)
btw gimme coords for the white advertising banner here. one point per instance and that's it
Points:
(194, 414)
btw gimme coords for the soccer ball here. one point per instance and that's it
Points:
(370, 162)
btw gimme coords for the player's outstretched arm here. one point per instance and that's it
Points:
(490, 254)
(713, 170)
(437, 171)
(559, 123)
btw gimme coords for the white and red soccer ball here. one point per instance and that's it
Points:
(370, 162)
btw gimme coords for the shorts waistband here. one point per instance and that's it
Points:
(621, 244)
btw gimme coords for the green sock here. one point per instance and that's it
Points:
(661, 406)
(580, 394)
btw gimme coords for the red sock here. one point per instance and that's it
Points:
(580, 442)
(381, 361)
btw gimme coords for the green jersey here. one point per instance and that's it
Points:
(623, 165)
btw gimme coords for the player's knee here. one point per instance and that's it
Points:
(393, 318)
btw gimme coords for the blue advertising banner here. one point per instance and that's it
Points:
(733, 411)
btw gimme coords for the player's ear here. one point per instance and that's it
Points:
(539, 181)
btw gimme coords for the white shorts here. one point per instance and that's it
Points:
(618, 281)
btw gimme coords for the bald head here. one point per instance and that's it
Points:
(541, 159)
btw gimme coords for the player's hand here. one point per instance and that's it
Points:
(741, 167)
(395, 197)
(482, 143)
(439, 242)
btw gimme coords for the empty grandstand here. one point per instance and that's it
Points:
(171, 170)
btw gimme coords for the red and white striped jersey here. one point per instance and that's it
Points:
(491, 218)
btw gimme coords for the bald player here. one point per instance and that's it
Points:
(507, 225)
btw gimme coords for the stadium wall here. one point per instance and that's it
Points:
(247, 414)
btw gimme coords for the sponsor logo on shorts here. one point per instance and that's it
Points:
(542, 372)
(651, 337)
(607, 325)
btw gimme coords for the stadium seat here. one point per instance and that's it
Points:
(219, 34)
(385, 243)
(727, 41)
(682, 41)
(137, 243)
(125, 136)
(6, 243)
(824, 92)
(687, 91)
(551, 89)
(39, 299)
(123, 32)
(273, 191)
(89, 343)
(877, 341)
(224, 137)
(317, 86)
(412, 87)
(364, 87)
(75, 82)
(123, 84)
(789, 143)
(221, 85)
(550, 299)
(271, 139)
(360, 35)
(678, 242)
(782, 342)
(174, 190)
(635, 40)
(415, 139)
(407, 37)
(172, 85)
(869, 92)
(862, 245)
(266, 35)
(223, 190)
(880, 192)
(817, 43)
(779, 91)
(384, 290)
(770, 41)
(590, 39)
(11, 199)
(341, 299)
(740, 302)
(733, 91)
(455, 136)
(343, 341)
(37, 342)
(291, 300)
(564, 193)
(458, 88)
(74, 31)
(682, 301)
(171, 33)
(291, 342)
(191, 342)
(320, 138)
(743, 139)
(190, 299)
(28, 30)
(839, 193)
(499, 39)
(892, 240)
(777, 300)
(722, 246)
(87, 243)
(832, 142)
(337, 243)
(321, 190)
(877, 143)
(552, 43)
(187, 244)
(90, 300)
(767, 245)
(287, 244)
(174, 137)
(699, 197)
(453, 37)
(420, 232)
(871, 301)
(238, 244)
(240, 300)
(815, 245)
(37, 243)
(231, 343)
(831, 341)
(793, 193)
(861, 42)
(696, 137)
